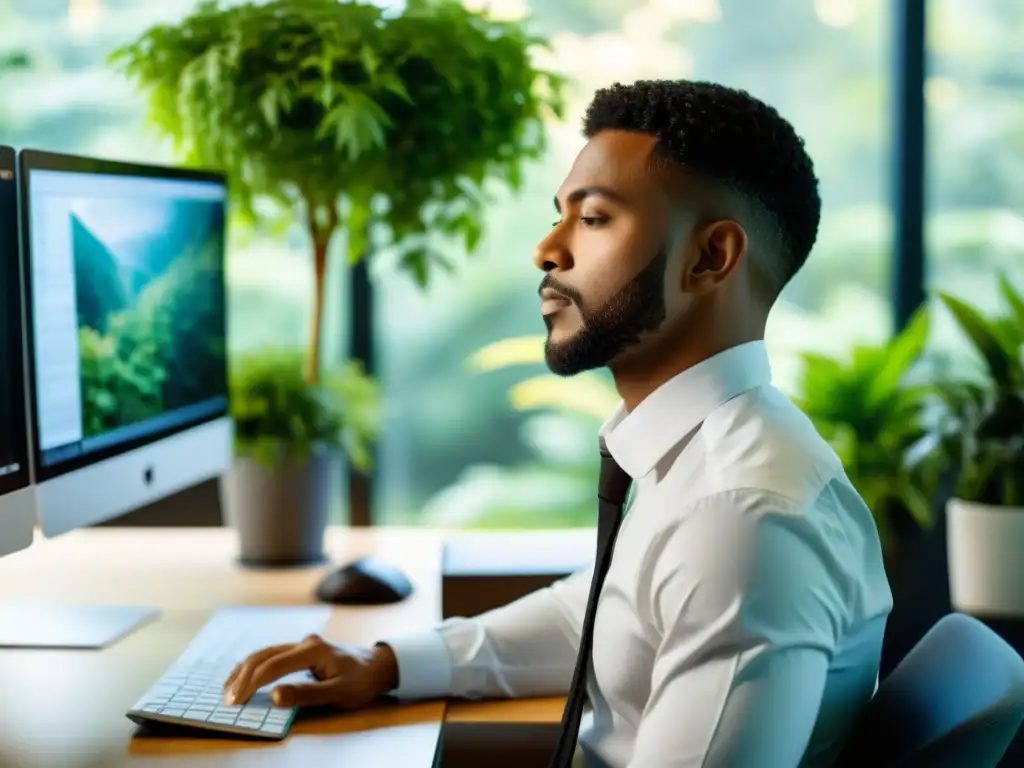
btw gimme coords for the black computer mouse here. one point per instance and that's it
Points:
(365, 582)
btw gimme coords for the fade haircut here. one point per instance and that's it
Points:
(728, 137)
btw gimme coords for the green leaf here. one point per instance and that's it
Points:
(370, 59)
(979, 331)
(416, 263)
(900, 354)
(17, 60)
(279, 415)
(1015, 302)
(918, 506)
(393, 83)
(269, 106)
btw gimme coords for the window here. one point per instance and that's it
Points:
(455, 451)
(975, 152)
(71, 101)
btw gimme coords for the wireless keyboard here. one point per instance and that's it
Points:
(191, 691)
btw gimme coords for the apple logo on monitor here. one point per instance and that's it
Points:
(147, 476)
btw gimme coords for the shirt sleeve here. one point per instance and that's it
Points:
(525, 648)
(749, 608)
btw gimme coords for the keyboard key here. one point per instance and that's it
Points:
(199, 716)
(274, 728)
(222, 719)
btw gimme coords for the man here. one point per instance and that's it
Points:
(741, 620)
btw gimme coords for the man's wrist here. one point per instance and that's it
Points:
(385, 667)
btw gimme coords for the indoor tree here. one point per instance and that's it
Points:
(361, 120)
(386, 127)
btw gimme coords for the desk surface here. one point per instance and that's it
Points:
(66, 708)
(540, 711)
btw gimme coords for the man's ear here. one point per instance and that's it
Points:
(716, 249)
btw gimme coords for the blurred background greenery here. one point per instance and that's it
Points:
(485, 439)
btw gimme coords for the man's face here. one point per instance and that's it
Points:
(606, 259)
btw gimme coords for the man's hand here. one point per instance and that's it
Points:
(346, 676)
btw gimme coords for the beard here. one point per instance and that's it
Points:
(609, 330)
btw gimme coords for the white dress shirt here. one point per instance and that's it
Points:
(741, 621)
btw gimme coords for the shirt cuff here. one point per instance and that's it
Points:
(424, 666)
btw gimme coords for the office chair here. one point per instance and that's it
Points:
(955, 701)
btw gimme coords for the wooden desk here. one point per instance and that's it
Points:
(65, 709)
(544, 711)
(502, 734)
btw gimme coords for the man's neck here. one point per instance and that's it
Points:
(639, 375)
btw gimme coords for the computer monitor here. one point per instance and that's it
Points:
(17, 498)
(125, 280)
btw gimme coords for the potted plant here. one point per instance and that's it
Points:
(290, 437)
(980, 435)
(384, 127)
(871, 413)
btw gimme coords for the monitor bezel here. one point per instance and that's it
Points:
(31, 160)
(22, 477)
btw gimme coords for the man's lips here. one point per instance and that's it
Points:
(551, 301)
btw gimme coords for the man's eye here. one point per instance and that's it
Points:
(588, 221)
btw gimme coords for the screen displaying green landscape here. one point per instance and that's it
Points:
(149, 287)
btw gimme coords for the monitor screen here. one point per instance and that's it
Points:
(127, 305)
(13, 427)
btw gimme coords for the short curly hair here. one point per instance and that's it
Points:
(731, 138)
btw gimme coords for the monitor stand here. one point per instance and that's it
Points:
(56, 626)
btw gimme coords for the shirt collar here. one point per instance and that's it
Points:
(639, 439)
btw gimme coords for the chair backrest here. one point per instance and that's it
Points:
(955, 701)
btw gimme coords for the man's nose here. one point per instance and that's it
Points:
(552, 253)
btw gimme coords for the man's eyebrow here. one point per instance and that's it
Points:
(581, 194)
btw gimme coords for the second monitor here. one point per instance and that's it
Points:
(17, 499)
(125, 279)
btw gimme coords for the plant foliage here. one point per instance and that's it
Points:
(353, 117)
(279, 416)
(866, 410)
(12, 61)
(980, 432)
(352, 114)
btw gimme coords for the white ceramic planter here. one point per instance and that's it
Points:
(986, 558)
